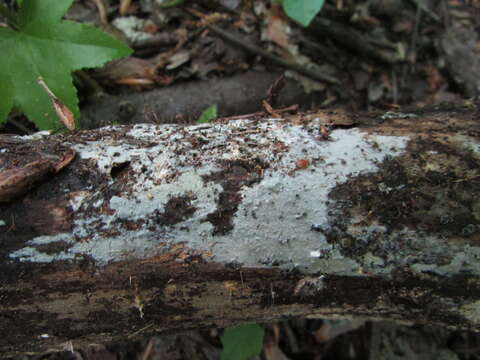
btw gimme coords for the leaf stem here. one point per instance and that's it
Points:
(9, 15)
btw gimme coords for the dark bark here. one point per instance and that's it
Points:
(151, 229)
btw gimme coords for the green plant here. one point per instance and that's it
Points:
(302, 11)
(208, 114)
(39, 44)
(242, 342)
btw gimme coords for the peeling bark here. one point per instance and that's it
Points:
(156, 228)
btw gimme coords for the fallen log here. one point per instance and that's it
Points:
(128, 231)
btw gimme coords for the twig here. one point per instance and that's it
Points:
(148, 350)
(238, 41)
(353, 40)
(279, 61)
(124, 6)
(141, 330)
(258, 113)
(421, 5)
(101, 11)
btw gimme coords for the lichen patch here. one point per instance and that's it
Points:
(235, 190)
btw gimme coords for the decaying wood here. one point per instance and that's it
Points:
(155, 228)
(184, 103)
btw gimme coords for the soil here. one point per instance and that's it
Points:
(247, 57)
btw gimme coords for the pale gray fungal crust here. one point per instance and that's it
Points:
(237, 192)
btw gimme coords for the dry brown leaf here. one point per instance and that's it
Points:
(231, 286)
(67, 158)
(268, 108)
(129, 67)
(434, 78)
(63, 112)
(277, 26)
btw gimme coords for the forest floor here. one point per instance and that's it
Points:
(247, 58)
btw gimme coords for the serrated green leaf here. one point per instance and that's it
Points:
(242, 342)
(207, 115)
(303, 11)
(48, 47)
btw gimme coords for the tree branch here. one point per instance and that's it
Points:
(153, 228)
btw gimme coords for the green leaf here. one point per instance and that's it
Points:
(47, 46)
(242, 342)
(303, 11)
(208, 114)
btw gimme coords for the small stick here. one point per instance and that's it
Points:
(258, 113)
(279, 61)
